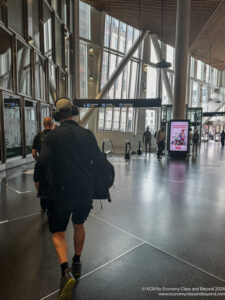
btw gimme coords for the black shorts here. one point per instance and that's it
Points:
(59, 215)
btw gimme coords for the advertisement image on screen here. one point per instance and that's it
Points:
(179, 136)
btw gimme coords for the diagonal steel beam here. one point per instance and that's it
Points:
(115, 75)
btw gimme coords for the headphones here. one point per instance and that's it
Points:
(58, 115)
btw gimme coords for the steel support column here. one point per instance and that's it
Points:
(181, 58)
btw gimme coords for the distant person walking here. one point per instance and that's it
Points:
(160, 141)
(222, 137)
(195, 141)
(147, 137)
(190, 137)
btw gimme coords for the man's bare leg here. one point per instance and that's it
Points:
(59, 241)
(79, 237)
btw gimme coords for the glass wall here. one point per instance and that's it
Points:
(23, 69)
(35, 62)
(30, 124)
(118, 39)
(5, 60)
(12, 124)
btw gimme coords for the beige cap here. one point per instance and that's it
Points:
(63, 104)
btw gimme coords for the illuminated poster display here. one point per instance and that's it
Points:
(179, 136)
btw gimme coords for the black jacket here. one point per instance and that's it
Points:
(69, 151)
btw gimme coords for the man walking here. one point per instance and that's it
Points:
(36, 150)
(160, 141)
(222, 136)
(70, 151)
(195, 141)
(147, 137)
(39, 138)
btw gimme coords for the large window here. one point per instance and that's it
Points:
(33, 21)
(40, 77)
(15, 15)
(23, 69)
(12, 124)
(152, 78)
(30, 123)
(47, 32)
(85, 30)
(5, 60)
(118, 39)
(83, 71)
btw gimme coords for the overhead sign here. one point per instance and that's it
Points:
(95, 103)
(214, 114)
(179, 136)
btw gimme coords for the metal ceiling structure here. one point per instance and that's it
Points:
(207, 24)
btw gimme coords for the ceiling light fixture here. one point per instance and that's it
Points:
(162, 64)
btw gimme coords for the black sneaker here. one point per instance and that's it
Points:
(76, 269)
(66, 286)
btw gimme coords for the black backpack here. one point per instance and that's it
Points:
(103, 178)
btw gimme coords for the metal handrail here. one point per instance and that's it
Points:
(103, 146)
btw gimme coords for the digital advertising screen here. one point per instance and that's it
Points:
(179, 136)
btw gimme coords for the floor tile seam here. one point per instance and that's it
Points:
(100, 267)
(161, 250)
(19, 218)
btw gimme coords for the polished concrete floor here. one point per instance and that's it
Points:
(165, 228)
